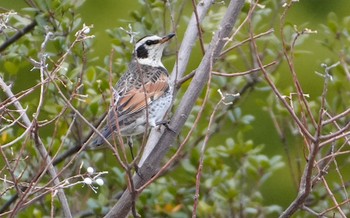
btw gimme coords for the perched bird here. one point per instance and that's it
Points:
(142, 95)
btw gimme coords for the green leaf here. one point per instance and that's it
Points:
(247, 119)
(91, 74)
(11, 67)
(333, 22)
(93, 203)
(41, 20)
(51, 108)
(188, 166)
(94, 108)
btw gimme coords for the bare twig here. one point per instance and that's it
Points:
(42, 66)
(201, 160)
(242, 73)
(245, 41)
(190, 75)
(305, 186)
(296, 83)
(42, 150)
(336, 117)
(18, 35)
(200, 36)
(19, 137)
(318, 138)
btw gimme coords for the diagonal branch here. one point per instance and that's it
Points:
(18, 35)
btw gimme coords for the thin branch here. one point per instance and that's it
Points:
(184, 79)
(18, 35)
(332, 208)
(201, 160)
(331, 195)
(191, 75)
(339, 132)
(242, 73)
(11, 171)
(42, 66)
(12, 124)
(245, 41)
(290, 61)
(42, 150)
(305, 184)
(200, 35)
(335, 138)
(302, 127)
(189, 40)
(337, 117)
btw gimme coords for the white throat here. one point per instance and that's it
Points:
(150, 62)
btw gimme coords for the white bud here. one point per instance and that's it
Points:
(100, 182)
(86, 30)
(88, 181)
(90, 170)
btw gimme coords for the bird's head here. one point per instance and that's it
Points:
(149, 49)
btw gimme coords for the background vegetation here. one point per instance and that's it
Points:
(256, 153)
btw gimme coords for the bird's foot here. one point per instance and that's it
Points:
(165, 123)
(130, 144)
(137, 171)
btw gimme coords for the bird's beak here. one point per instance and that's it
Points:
(167, 38)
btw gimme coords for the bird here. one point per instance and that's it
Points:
(143, 94)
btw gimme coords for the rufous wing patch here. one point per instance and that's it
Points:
(134, 100)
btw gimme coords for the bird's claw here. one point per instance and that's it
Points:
(165, 123)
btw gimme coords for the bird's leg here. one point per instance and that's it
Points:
(165, 123)
(137, 170)
(130, 144)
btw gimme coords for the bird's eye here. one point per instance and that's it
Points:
(149, 42)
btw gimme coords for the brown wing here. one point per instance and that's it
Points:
(135, 99)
